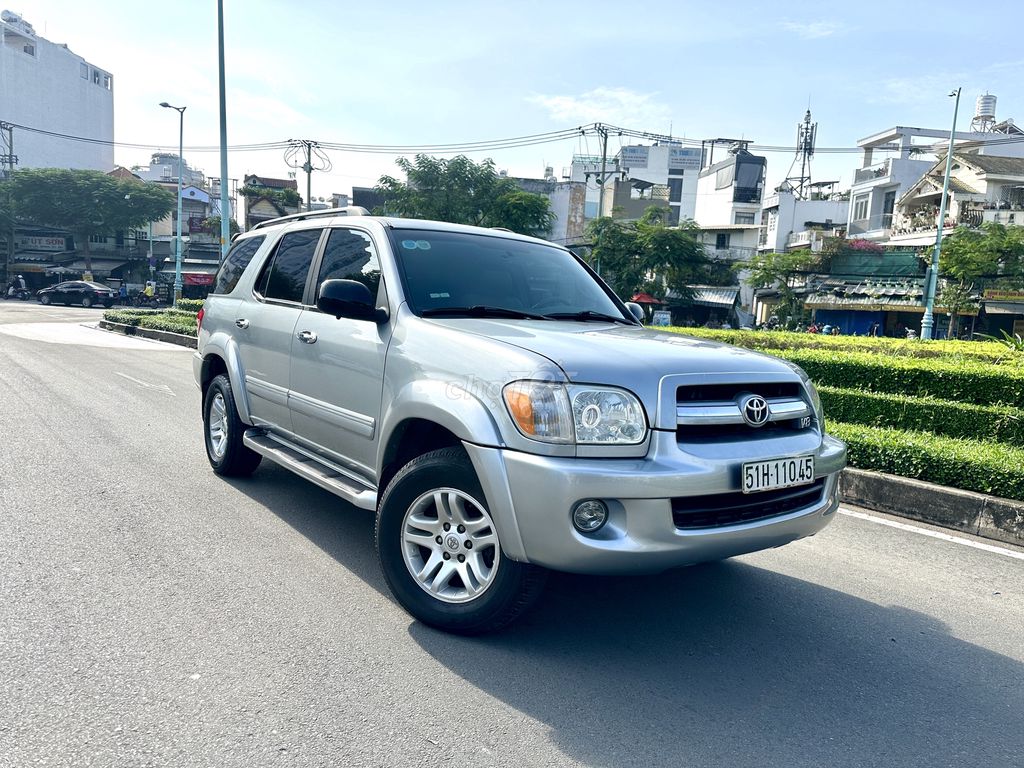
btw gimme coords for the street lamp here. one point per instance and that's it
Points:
(181, 149)
(932, 281)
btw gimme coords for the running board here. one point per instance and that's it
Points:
(312, 469)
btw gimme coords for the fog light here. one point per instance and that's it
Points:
(588, 516)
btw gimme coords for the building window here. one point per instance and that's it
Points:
(860, 207)
(84, 71)
(29, 49)
(98, 239)
(744, 218)
(722, 241)
(96, 76)
(108, 82)
(675, 190)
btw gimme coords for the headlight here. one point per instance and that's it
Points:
(604, 416)
(555, 413)
(815, 398)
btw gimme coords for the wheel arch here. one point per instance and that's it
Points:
(223, 359)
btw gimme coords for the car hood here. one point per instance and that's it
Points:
(637, 359)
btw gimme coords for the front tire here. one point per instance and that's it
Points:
(44, 299)
(86, 302)
(439, 549)
(223, 430)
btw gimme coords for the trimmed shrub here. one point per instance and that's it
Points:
(993, 468)
(189, 305)
(966, 381)
(924, 414)
(174, 324)
(987, 351)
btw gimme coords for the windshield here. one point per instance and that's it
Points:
(449, 270)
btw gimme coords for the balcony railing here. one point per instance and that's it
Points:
(872, 172)
(877, 223)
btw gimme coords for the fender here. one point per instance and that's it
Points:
(222, 345)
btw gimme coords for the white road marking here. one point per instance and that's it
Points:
(158, 387)
(934, 534)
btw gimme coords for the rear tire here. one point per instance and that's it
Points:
(439, 549)
(223, 430)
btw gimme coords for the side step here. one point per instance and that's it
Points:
(327, 477)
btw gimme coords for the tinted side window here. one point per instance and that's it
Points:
(287, 278)
(349, 255)
(235, 262)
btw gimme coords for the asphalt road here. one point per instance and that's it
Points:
(153, 614)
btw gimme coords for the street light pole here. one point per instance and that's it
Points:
(181, 150)
(928, 321)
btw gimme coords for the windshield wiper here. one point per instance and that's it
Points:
(588, 314)
(481, 310)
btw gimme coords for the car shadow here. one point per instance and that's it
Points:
(722, 664)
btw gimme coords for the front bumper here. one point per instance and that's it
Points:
(532, 496)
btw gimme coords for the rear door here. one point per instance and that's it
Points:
(338, 364)
(265, 323)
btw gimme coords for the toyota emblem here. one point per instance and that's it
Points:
(754, 410)
(452, 542)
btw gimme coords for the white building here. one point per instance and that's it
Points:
(44, 85)
(878, 184)
(163, 166)
(788, 222)
(663, 174)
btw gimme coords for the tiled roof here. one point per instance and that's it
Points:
(1004, 166)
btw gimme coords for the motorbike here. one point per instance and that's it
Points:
(18, 293)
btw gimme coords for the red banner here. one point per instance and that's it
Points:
(193, 279)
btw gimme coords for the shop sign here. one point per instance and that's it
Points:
(40, 243)
(994, 295)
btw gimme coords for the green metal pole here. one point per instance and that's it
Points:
(928, 321)
(225, 203)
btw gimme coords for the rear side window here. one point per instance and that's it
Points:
(284, 278)
(235, 262)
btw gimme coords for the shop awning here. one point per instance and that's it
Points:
(104, 266)
(872, 296)
(1004, 307)
(722, 298)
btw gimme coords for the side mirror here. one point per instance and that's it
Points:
(636, 310)
(348, 298)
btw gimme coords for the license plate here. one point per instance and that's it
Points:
(779, 473)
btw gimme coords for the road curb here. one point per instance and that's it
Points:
(149, 333)
(990, 517)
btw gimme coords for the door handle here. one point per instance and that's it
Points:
(242, 323)
(306, 337)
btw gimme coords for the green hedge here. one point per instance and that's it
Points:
(965, 381)
(771, 340)
(924, 414)
(168, 320)
(189, 305)
(993, 468)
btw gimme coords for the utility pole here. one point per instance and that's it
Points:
(932, 279)
(313, 152)
(9, 159)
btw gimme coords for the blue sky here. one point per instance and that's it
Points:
(447, 71)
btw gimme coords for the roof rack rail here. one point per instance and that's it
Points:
(351, 210)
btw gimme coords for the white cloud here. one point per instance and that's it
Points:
(620, 106)
(812, 30)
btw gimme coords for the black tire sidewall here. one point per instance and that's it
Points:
(503, 599)
(238, 460)
(44, 300)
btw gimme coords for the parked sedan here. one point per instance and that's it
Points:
(77, 292)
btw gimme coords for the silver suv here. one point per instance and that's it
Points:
(500, 410)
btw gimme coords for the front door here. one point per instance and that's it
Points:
(338, 364)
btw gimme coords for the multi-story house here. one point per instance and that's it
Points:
(44, 85)
(789, 223)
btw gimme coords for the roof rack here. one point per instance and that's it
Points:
(351, 210)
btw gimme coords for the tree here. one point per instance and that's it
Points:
(87, 203)
(211, 224)
(648, 256)
(463, 192)
(768, 270)
(971, 258)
